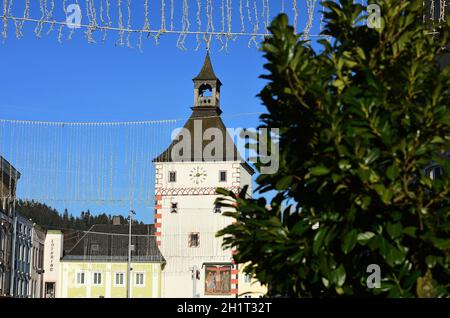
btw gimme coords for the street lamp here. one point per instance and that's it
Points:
(130, 219)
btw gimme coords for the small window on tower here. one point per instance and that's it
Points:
(222, 176)
(172, 176)
(217, 209)
(174, 207)
(194, 240)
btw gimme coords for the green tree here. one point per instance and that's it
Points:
(65, 219)
(359, 120)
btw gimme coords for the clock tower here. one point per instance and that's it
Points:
(200, 159)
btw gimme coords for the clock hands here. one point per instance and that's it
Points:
(197, 175)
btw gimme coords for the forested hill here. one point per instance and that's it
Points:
(49, 218)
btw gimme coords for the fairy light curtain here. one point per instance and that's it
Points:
(135, 20)
(84, 164)
(88, 165)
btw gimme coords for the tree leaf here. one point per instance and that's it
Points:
(284, 183)
(319, 171)
(318, 239)
(349, 241)
(394, 229)
(363, 238)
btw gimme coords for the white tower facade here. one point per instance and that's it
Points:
(186, 218)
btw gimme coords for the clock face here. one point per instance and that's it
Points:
(197, 175)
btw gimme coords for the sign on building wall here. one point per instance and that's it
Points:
(52, 255)
(217, 280)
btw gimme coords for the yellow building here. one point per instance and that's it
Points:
(96, 266)
(250, 287)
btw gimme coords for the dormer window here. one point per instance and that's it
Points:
(217, 209)
(172, 176)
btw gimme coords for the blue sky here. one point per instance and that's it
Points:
(44, 80)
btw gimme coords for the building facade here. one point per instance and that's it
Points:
(9, 177)
(37, 262)
(96, 267)
(201, 158)
(21, 269)
(53, 252)
(249, 287)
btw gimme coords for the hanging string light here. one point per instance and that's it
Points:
(241, 13)
(311, 4)
(129, 23)
(50, 15)
(185, 26)
(207, 36)
(106, 16)
(442, 11)
(432, 5)
(172, 14)
(295, 9)
(199, 23)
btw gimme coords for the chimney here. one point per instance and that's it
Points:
(116, 220)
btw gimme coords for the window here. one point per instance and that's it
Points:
(119, 279)
(80, 278)
(97, 278)
(247, 296)
(222, 176)
(172, 176)
(247, 279)
(217, 209)
(194, 240)
(174, 207)
(139, 279)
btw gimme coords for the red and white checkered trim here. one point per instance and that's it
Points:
(235, 280)
(158, 218)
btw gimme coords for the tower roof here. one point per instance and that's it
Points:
(204, 118)
(207, 71)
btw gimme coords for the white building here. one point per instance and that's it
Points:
(186, 218)
(53, 251)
